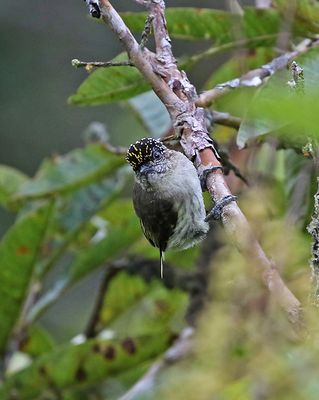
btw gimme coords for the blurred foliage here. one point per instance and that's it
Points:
(74, 218)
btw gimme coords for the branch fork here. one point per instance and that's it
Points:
(188, 119)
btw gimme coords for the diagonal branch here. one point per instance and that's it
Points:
(179, 95)
(256, 77)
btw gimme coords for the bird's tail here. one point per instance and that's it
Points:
(162, 259)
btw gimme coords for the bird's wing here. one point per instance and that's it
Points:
(157, 215)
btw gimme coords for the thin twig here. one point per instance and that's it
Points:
(89, 65)
(226, 46)
(179, 96)
(256, 77)
(225, 119)
(90, 330)
(118, 150)
(147, 30)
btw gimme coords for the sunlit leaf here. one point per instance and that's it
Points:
(160, 308)
(19, 250)
(65, 173)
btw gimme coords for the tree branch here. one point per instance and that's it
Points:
(90, 329)
(179, 96)
(256, 77)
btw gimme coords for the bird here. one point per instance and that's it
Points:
(167, 197)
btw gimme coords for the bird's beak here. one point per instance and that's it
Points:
(144, 169)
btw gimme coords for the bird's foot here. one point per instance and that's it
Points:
(217, 210)
(204, 172)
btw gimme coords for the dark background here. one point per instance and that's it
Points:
(38, 40)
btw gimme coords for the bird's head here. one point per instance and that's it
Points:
(147, 156)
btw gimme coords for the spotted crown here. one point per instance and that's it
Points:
(142, 151)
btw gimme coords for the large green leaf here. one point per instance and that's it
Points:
(10, 182)
(18, 252)
(78, 168)
(123, 230)
(142, 308)
(109, 85)
(201, 23)
(159, 309)
(80, 365)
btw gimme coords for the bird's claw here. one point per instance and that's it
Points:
(204, 172)
(217, 210)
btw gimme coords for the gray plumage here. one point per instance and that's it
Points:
(167, 196)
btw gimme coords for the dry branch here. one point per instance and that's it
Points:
(88, 65)
(180, 98)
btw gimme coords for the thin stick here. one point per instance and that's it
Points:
(89, 65)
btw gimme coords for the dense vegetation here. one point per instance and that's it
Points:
(75, 219)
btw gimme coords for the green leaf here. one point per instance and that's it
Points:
(19, 249)
(142, 308)
(37, 341)
(276, 108)
(200, 23)
(10, 182)
(80, 365)
(109, 85)
(123, 291)
(123, 232)
(123, 229)
(78, 168)
(76, 208)
(159, 309)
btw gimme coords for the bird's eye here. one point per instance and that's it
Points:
(156, 155)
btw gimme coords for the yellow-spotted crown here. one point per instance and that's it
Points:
(143, 151)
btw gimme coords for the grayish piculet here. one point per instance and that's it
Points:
(167, 196)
